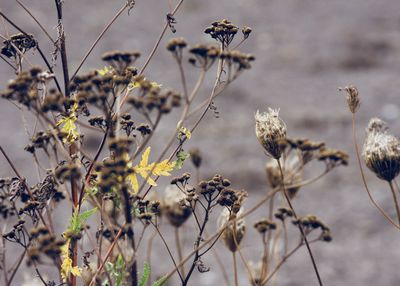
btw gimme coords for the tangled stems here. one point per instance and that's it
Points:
(300, 226)
(353, 121)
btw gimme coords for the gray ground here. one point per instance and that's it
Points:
(304, 50)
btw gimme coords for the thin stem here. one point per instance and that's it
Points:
(235, 270)
(278, 266)
(153, 51)
(63, 50)
(99, 38)
(169, 251)
(107, 255)
(299, 225)
(353, 121)
(179, 248)
(396, 203)
(36, 20)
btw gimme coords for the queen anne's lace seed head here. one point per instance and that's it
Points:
(381, 150)
(271, 131)
(234, 233)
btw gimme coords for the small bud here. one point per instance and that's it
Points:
(353, 100)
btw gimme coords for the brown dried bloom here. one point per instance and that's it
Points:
(234, 233)
(176, 207)
(381, 151)
(292, 174)
(353, 100)
(270, 131)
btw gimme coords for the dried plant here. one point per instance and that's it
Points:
(117, 206)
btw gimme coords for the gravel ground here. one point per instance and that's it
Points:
(305, 50)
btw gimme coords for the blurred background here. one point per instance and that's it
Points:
(304, 51)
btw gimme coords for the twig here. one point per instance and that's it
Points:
(299, 225)
(99, 38)
(153, 51)
(396, 203)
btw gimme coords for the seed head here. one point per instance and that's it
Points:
(381, 151)
(353, 100)
(234, 233)
(270, 131)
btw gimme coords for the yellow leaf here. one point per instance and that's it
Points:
(66, 265)
(76, 271)
(146, 170)
(68, 126)
(145, 157)
(132, 179)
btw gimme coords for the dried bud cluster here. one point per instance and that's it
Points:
(24, 89)
(147, 210)
(264, 225)
(310, 223)
(271, 132)
(381, 151)
(150, 97)
(120, 60)
(67, 171)
(283, 213)
(44, 243)
(223, 31)
(22, 42)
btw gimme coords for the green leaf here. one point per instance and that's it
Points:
(161, 282)
(145, 275)
(119, 270)
(86, 214)
(77, 220)
(182, 155)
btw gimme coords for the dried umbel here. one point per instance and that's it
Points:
(271, 132)
(381, 151)
(234, 232)
(353, 100)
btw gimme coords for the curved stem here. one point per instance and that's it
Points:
(300, 227)
(353, 123)
(396, 203)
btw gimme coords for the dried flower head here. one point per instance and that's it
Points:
(175, 206)
(270, 131)
(291, 172)
(381, 151)
(234, 233)
(353, 100)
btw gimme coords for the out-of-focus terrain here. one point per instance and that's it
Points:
(305, 50)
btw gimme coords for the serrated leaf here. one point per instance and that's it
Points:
(86, 214)
(145, 275)
(161, 282)
(77, 220)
